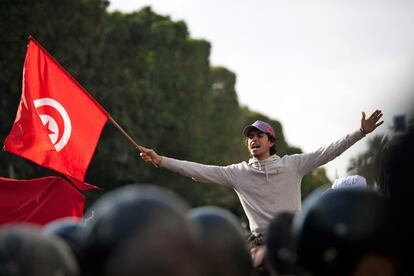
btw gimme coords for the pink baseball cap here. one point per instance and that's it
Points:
(261, 126)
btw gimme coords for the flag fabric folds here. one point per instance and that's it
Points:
(39, 200)
(58, 124)
(81, 184)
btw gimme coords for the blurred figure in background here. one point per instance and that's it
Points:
(352, 181)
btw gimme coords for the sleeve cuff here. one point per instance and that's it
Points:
(362, 132)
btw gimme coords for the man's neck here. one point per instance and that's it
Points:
(261, 158)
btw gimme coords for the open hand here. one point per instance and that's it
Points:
(370, 124)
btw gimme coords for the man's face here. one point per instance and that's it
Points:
(258, 144)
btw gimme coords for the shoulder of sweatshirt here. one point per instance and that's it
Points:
(240, 165)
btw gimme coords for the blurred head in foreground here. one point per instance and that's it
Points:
(279, 245)
(344, 232)
(25, 251)
(71, 231)
(223, 244)
(140, 230)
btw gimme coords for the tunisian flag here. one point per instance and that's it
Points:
(58, 124)
(39, 200)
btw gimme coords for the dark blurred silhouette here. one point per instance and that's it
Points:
(223, 242)
(71, 231)
(280, 251)
(25, 251)
(400, 168)
(345, 232)
(140, 230)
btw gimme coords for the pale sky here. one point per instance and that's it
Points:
(312, 65)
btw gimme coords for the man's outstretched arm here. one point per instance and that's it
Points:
(199, 172)
(309, 161)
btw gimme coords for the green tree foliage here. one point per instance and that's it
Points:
(150, 70)
(370, 163)
(151, 76)
(313, 180)
(222, 139)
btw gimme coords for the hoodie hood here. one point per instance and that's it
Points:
(267, 166)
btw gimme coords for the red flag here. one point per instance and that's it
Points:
(39, 200)
(58, 124)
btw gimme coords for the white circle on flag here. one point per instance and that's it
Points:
(53, 126)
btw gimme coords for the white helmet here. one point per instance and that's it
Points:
(353, 181)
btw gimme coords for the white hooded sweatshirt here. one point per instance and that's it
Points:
(264, 187)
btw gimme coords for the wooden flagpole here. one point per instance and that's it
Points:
(138, 147)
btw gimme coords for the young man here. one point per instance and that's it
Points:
(266, 184)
